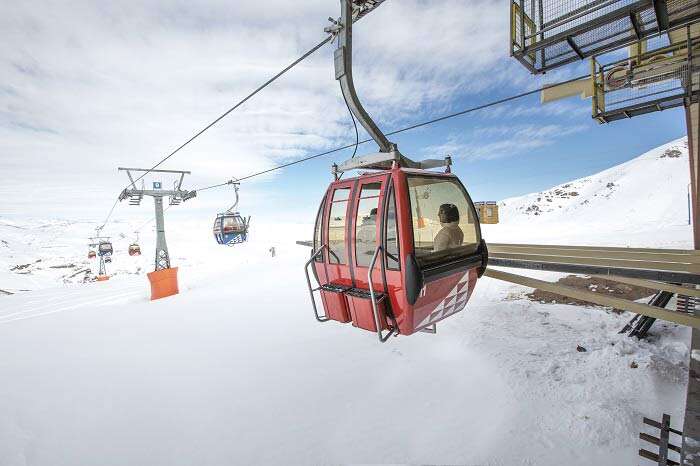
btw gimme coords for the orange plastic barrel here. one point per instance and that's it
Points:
(101, 278)
(163, 283)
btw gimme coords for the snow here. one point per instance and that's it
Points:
(642, 202)
(235, 369)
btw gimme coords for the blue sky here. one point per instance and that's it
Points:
(99, 85)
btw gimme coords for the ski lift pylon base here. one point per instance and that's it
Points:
(102, 278)
(163, 283)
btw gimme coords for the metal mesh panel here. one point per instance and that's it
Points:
(546, 34)
(679, 9)
(650, 82)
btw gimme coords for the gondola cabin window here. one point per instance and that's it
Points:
(366, 223)
(318, 241)
(391, 234)
(444, 226)
(336, 226)
(233, 224)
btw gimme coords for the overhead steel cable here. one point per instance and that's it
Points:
(116, 201)
(240, 102)
(331, 31)
(407, 128)
(224, 115)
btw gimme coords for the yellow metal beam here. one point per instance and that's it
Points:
(597, 298)
(677, 289)
(650, 255)
(595, 248)
(683, 267)
(582, 87)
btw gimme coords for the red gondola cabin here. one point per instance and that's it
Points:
(398, 249)
(417, 230)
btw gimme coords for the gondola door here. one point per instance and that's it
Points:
(368, 210)
(332, 265)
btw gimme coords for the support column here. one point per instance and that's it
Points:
(691, 423)
(692, 112)
(162, 256)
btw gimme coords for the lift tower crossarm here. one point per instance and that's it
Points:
(352, 10)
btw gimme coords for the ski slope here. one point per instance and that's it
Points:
(235, 369)
(640, 202)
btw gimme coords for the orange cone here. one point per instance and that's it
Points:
(163, 283)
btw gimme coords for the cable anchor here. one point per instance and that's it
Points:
(334, 29)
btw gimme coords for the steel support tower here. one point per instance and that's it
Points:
(176, 195)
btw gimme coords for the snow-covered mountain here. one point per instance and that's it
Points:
(648, 189)
(642, 202)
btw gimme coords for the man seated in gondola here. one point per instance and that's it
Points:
(451, 235)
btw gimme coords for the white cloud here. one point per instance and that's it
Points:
(87, 86)
(501, 141)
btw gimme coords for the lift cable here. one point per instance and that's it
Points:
(241, 102)
(222, 116)
(116, 201)
(408, 128)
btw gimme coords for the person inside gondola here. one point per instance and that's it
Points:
(450, 235)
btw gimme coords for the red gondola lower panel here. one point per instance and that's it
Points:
(360, 304)
(335, 303)
(456, 288)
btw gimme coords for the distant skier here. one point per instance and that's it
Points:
(272, 251)
(451, 235)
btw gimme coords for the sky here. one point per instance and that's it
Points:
(89, 86)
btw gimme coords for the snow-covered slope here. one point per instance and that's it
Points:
(647, 190)
(236, 370)
(642, 202)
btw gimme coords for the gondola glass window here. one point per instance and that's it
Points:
(233, 225)
(318, 240)
(392, 234)
(443, 219)
(366, 223)
(336, 226)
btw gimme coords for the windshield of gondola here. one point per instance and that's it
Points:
(443, 219)
(233, 224)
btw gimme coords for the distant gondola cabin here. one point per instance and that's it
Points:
(487, 211)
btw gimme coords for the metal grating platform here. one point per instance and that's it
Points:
(653, 81)
(546, 34)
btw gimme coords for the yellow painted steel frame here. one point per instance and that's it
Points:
(644, 63)
(530, 28)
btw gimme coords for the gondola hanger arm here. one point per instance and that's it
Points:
(353, 10)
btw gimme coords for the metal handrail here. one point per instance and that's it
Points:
(314, 255)
(382, 338)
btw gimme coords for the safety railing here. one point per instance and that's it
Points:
(373, 296)
(314, 255)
